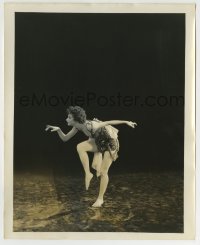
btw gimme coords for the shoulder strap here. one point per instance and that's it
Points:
(91, 129)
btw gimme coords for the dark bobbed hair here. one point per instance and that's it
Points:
(78, 113)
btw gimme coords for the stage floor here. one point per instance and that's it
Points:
(137, 202)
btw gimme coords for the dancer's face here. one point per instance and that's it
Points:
(70, 120)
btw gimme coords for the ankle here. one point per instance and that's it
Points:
(100, 199)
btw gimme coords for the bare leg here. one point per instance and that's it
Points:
(83, 148)
(107, 161)
(97, 161)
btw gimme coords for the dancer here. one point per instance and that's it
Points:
(103, 141)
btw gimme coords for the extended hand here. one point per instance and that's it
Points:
(52, 128)
(132, 124)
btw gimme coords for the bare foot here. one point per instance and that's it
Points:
(88, 178)
(98, 203)
(97, 168)
(94, 166)
(98, 173)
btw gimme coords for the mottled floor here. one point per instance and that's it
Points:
(139, 202)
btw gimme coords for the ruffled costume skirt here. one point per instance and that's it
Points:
(106, 139)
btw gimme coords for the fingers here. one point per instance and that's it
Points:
(133, 124)
(54, 129)
(48, 127)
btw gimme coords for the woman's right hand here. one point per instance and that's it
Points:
(131, 124)
(52, 128)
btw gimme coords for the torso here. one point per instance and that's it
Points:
(88, 129)
(101, 137)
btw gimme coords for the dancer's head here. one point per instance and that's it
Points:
(76, 114)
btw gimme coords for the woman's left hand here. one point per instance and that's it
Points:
(132, 124)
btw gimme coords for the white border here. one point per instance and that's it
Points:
(189, 124)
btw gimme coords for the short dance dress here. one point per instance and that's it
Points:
(106, 138)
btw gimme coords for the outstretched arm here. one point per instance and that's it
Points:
(64, 137)
(116, 122)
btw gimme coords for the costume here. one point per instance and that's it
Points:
(106, 138)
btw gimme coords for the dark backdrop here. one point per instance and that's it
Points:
(136, 54)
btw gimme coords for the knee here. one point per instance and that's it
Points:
(106, 154)
(79, 148)
(104, 173)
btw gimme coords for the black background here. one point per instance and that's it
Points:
(136, 54)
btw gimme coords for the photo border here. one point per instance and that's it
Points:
(189, 123)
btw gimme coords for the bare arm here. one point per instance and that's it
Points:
(64, 137)
(116, 122)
